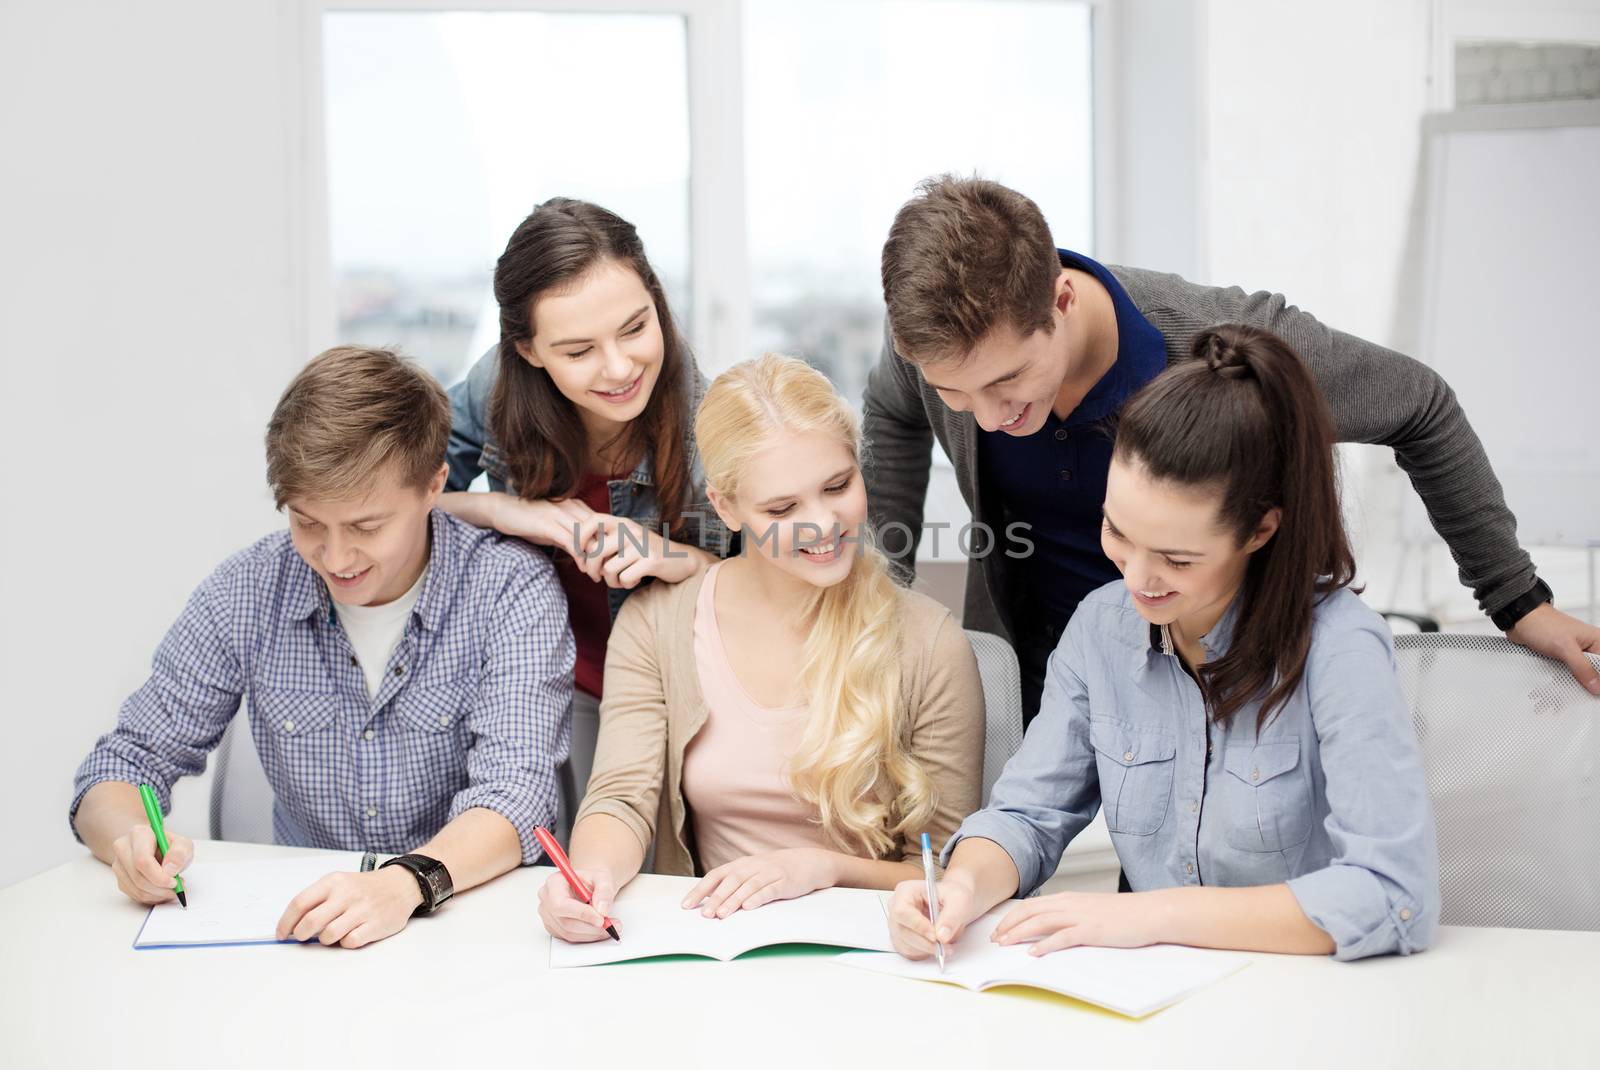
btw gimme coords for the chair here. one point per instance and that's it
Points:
(572, 775)
(1002, 699)
(1511, 744)
(241, 798)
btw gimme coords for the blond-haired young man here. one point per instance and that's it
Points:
(1017, 356)
(408, 675)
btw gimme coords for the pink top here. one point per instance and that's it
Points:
(734, 768)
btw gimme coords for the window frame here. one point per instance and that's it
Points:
(1542, 21)
(719, 256)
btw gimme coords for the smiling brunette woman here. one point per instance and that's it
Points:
(1231, 704)
(582, 418)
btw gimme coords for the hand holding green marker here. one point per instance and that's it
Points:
(152, 810)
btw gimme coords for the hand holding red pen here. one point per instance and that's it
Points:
(573, 902)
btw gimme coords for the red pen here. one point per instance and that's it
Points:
(553, 851)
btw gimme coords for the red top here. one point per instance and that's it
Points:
(587, 604)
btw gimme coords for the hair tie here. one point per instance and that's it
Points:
(1224, 359)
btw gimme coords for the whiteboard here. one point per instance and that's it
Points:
(1510, 302)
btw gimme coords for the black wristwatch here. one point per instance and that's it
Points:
(432, 878)
(1521, 606)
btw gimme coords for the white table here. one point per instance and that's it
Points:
(471, 987)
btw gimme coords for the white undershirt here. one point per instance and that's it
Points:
(374, 631)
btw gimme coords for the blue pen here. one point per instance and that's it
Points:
(933, 896)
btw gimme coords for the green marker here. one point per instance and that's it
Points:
(152, 810)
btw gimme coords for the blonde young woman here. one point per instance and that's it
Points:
(789, 719)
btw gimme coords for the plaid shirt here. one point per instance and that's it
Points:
(472, 711)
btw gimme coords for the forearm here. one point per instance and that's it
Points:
(1265, 918)
(600, 841)
(691, 560)
(851, 872)
(477, 846)
(108, 810)
(479, 508)
(1379, 396)
(985, 868)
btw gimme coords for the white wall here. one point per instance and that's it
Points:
(1312, 134)
(1310, 143)
(150, 320)
(1158, 64)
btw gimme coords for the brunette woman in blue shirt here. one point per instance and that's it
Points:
(1231, 704)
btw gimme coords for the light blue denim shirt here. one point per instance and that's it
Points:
(472, 450)
(1331, 798)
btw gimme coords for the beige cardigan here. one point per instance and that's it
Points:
(653, 707)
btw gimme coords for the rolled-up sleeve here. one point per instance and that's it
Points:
(1380, 892)
(167, 727)
(469, 421)
(520, 724)
(1049, 790)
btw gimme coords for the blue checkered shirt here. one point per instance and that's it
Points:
(472, 711)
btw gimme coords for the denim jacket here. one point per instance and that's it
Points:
(472, 450)
(1329, 798)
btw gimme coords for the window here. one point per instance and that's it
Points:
(1516, 72)
(808, 128)
(443, 130)
(849, 104)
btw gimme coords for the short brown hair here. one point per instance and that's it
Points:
(350, 413)
(964, 256)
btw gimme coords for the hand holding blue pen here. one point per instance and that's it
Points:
(931, 877)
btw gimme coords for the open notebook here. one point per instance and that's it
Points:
(651, 922)
(1131, 981)
(237, 902)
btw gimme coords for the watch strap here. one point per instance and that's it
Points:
(432, 878)
(1508, 616)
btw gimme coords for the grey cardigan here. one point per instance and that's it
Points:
(1377, 396)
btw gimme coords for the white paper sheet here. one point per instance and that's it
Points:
(651, 922)
(237, 902)
(1131, 981)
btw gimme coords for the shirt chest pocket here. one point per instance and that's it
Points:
(288, 717)
(1135, 766)
(1268, 800)
(297, 737)
(430, 724)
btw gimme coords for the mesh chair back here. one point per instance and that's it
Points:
(241, 798)
(1002, 699)
(1512, 748)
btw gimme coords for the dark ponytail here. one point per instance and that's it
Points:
(536, 427)
(1246, 417)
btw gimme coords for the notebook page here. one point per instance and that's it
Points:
(1131, 981)
(237, 902)
(651, 922)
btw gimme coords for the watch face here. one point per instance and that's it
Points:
(433, 872)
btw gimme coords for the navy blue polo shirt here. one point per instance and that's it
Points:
(1054, 480)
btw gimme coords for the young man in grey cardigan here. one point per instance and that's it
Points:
(1017, 356)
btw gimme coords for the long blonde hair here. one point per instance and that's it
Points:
(853, 762)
